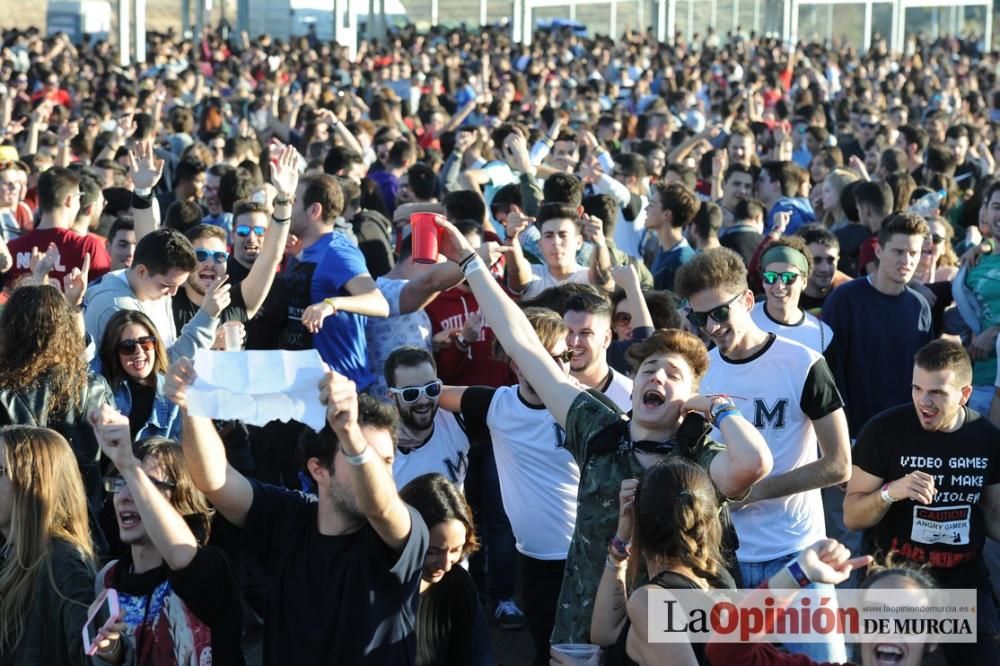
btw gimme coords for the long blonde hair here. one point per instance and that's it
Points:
(49, 503)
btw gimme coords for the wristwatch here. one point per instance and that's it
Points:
(886, 497)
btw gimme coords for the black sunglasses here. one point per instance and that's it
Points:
(565, 357)
(127, 347)
(936, 239)
(719, 314)
(205, 255)
(787, 277)
(243, 230)
(115, 484)
(412, 393)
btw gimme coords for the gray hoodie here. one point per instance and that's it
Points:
(113, 293)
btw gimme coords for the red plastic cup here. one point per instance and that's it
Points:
(424, 233)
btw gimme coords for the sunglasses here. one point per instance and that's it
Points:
(412, 393)
(719, 314)
(867, 125)
(205, 255)
(787, 277)
(243, 230)
(565, 357)
(127, 347)
(622, 319)
(936, 239)
(115, 484)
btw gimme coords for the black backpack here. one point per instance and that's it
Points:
(375, 240)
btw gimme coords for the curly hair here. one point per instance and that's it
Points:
(40, 342)
(677, 518)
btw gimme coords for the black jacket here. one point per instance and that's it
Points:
(30, 406)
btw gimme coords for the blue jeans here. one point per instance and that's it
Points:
(496, 561)
(755, 573)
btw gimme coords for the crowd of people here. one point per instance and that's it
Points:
(720, 313)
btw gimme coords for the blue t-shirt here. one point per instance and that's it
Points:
(322, 271)
(875, 337)
(668, 261)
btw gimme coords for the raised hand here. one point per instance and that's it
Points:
(626, 509)
(516, 223)
(180, 375)
(146, 169)
(285, 170)
(112, 431)
(340, 395)
(451, 243)
(75, 282)
(625, 275)
(217, 297)
(593, 229)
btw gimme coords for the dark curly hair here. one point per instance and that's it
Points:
(40, 342)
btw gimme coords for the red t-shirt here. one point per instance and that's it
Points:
(866, 253)
(72, 249)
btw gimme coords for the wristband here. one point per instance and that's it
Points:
(144, 191)
(280, 221)
(473, 265)
(619, 546)
(723, 414)
(284, 201)
(886, 497)
(613, 565)
(331, 303)
(718, 406)
(796, 572)
(365, 456)
(140, 202)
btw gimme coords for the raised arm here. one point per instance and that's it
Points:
(424, 288)
(746, 459)
(627, 277)
(168, 531)
(370, 477)
(285, 176)
(516, 334)
(227, 490)
(146, 170)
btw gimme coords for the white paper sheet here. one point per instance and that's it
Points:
(257, 387)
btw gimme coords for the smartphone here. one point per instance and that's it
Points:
(104, 609)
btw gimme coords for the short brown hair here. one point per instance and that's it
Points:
(680, 201)
(246, 207)
(672, 341)
(907, 224)
(714, 268)
(548, 325)
(945, 355)
(325, 191)
(206, 231)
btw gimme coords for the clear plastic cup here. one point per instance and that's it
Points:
(585, 654)
(425, 237)
(233, 334)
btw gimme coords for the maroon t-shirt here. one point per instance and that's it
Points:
(72, 249)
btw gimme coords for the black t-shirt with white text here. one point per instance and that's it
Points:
(949, 533)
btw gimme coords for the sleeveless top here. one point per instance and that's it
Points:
(669, 580)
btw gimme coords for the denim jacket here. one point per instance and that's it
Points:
(164, 419)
